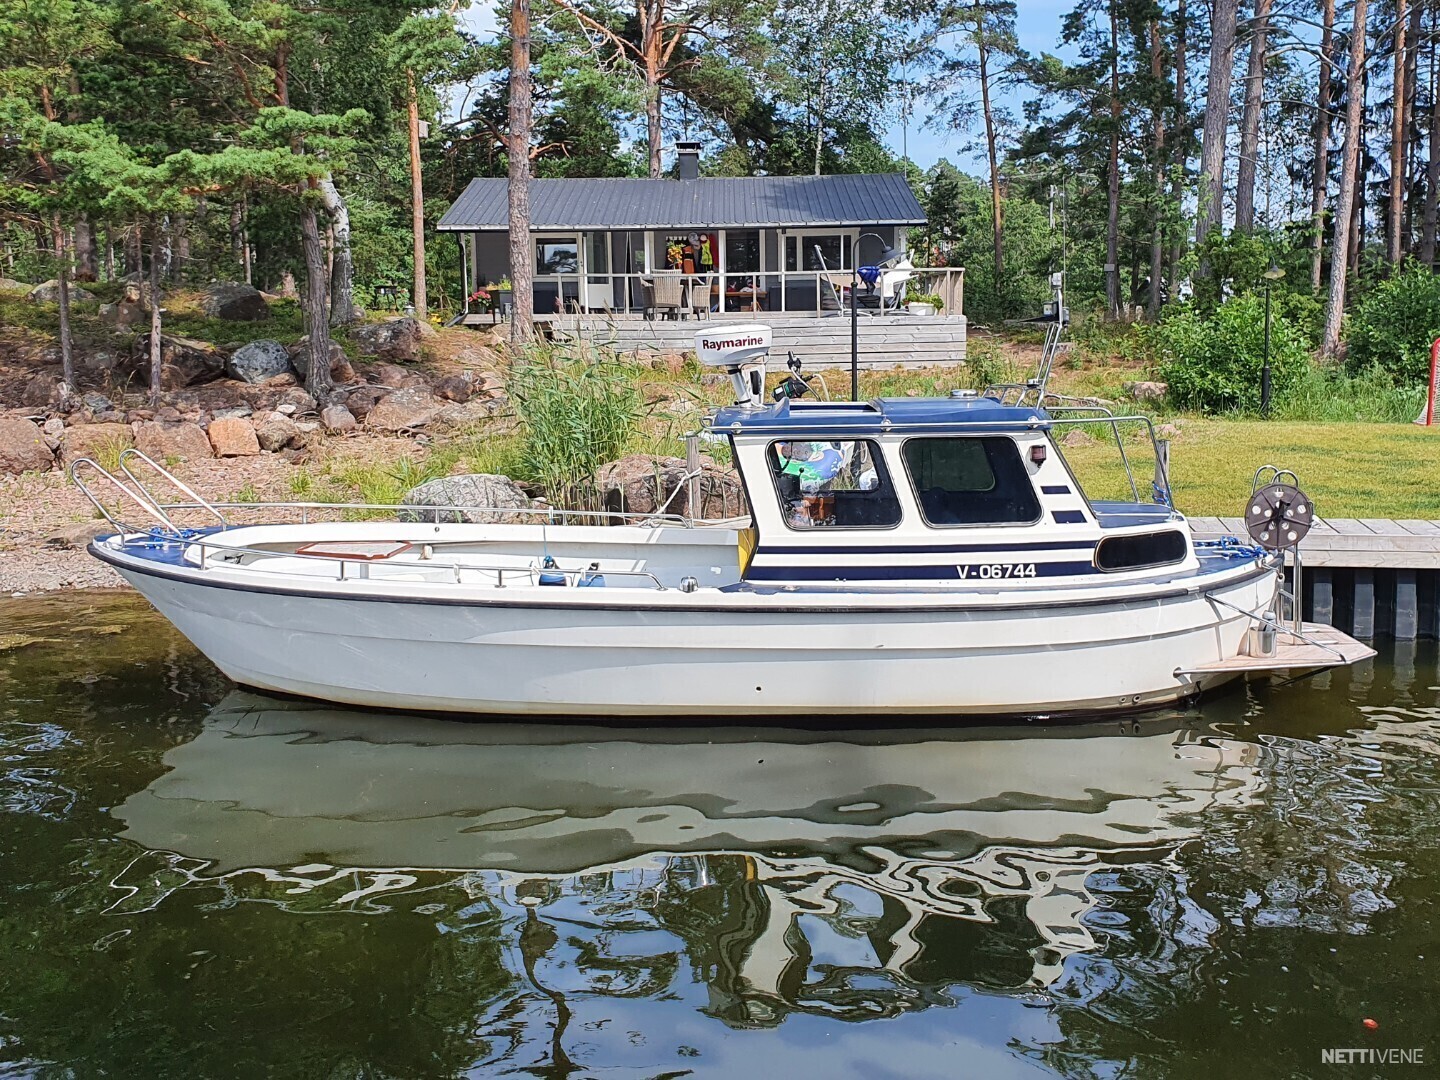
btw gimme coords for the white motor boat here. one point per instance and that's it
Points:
(903, 556)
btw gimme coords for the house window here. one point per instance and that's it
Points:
(557, 256)
(972, 480)
(833, 248)
(742, 251)
(833, 485)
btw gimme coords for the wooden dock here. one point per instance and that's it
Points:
(1367, 576)
(1352, 542)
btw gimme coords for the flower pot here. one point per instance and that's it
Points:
(916, 307)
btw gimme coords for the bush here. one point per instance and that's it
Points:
(987, 364)
(1212, 363)
(1395, 324)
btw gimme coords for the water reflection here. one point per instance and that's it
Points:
(854, 875)
(200, 884)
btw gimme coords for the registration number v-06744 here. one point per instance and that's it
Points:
(991, 571)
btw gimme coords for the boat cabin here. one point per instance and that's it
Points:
(920, 490)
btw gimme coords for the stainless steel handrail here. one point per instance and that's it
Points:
(819, 429)
(423, 512)
(206, 545)
(169, 477)
(140, 498)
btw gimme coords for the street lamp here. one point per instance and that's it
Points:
(1275, 273)
(886, 254)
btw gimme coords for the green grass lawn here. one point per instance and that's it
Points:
(1349, 470)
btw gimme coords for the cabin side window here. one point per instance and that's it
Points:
(971, 480)
(833, 485)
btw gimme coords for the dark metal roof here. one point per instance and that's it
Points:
(880, 416)
(720, 203)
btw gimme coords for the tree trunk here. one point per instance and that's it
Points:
(1211, 209)
(652, 44)
(1250, 119)
(1157, 125)
(1411, 129)
(1432, 168)
(417, 199)
(109, 253)
(819, 135)
(157, 371)
(67, 349)
(237, 233)
(342, 269)
(997, 211)
(180, 233)
(518, 150)
(1112, 220)
(1354, 73)
(134, 263)
(1177, 183)
(167, 249)
(317, 307)
(1397, 142)
(1320, 182)
(1357, 219)
(85, 262)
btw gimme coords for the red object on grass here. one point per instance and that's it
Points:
(1434, 370)
(1371, 1025)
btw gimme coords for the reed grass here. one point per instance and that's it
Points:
(578, 409)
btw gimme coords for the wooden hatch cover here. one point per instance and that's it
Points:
(361, 550)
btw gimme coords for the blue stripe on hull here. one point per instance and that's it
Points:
(925, 549)
(946, 572)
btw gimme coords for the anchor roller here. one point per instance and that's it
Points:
(1278, 516)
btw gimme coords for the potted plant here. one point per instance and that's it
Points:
(919, 303)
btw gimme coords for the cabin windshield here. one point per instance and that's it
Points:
(971, 480)
(833, 485)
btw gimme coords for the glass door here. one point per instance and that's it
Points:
(557, 272)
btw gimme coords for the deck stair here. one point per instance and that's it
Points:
(818, 340)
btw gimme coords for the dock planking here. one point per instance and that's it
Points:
(1351, 543)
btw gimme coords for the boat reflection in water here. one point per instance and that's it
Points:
(858, 874)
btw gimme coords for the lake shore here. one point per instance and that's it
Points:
(46, 521)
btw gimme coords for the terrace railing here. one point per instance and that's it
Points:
(813, 292)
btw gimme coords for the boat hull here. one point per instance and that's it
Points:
(633, 660)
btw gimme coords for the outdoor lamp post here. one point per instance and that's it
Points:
(1275, 273)
(886, 254)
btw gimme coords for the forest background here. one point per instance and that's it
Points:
(1172, 158)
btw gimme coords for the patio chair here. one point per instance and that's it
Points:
(700, 295)
(665, 294)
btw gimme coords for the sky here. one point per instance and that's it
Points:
(1037, 23)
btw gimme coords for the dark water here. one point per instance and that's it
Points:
(196, 882)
